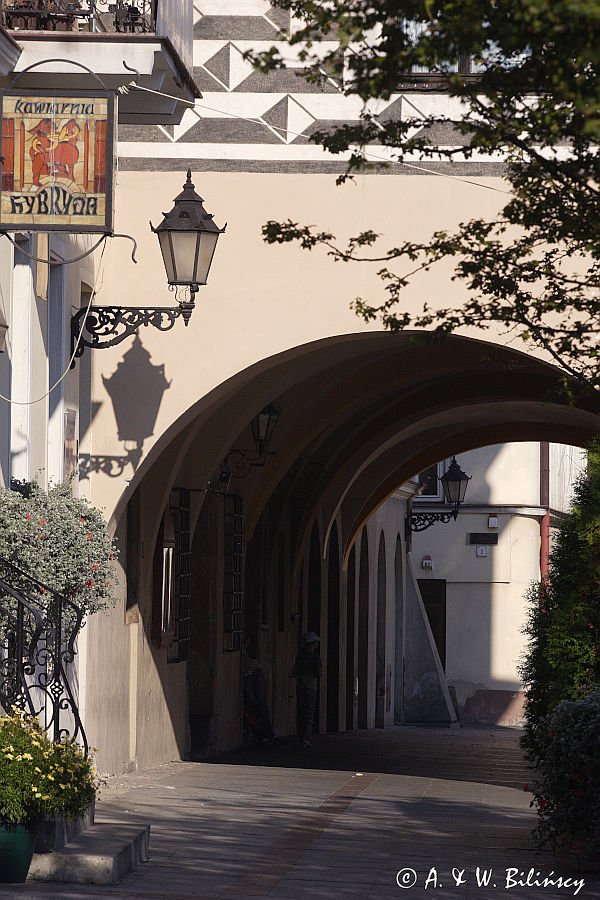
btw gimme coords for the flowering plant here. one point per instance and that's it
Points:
(567, 792)
(39, 777)
(60, 540)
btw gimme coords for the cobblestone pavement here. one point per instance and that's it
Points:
(409, 812)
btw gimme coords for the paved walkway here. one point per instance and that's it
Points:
(406, 813)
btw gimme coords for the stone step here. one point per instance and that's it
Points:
(102, 854)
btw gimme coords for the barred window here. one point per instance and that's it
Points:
(233, 569)
(172, 578)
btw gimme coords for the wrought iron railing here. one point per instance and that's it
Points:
(38, 634)
(121, 16)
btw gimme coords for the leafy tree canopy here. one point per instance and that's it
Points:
(533, 102)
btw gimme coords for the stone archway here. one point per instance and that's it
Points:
(359, 415)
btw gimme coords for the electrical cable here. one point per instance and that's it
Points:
(258, 121)
(124, 89)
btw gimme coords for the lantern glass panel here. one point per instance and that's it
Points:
(164, 238)
(454, 483)
(452, 490)
(208, 242)
(184, 255)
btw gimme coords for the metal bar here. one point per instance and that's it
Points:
(107, 326)
(38, 630)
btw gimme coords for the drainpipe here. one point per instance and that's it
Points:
(545, 503)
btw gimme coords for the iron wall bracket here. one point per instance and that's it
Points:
(421, 521)
(98, 327)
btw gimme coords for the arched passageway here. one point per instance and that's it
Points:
(359, 416)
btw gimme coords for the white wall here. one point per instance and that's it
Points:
(566, 464)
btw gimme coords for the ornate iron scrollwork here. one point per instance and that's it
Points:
(421, 521)
(38, 633)
(106, 326)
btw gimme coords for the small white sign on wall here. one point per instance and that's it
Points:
(481, 550)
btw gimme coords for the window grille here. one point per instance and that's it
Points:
(233, 569)
(176, 585)
(464, 63)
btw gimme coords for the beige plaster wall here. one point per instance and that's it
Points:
(133, 702)
(105, 689)
(566, 464)
(389, 521)
(505, 474)
(485, 605)
(260, 299)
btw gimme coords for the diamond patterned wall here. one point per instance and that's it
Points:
(246, 121)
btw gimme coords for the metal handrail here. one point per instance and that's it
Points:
(99, 16)
(38, 635)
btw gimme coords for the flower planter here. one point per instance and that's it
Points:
(55, 831)
(16, 850)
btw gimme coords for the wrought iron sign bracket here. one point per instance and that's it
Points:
(98, 327)
(238, 463)
(421, 521)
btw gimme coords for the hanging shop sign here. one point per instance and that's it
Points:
(58, 161)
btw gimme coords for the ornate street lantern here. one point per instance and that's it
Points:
(454, 482)
(187, 237)
(262, 426)
(239, 463)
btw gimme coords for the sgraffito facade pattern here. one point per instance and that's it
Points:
(251, 122)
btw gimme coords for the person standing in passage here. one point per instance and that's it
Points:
(307, 669)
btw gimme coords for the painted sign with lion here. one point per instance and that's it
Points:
(57, 168)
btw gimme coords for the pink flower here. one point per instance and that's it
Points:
(90, 536)
(90, 583)
(42, 521)
(95, 566)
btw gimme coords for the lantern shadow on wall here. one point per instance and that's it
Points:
(136, 389)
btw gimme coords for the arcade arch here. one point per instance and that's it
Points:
(360, 414)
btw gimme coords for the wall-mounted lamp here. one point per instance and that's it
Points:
(238, 463)
(187, 237)
(454, 482)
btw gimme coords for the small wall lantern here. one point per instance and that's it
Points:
(187, 237)
(454, 482)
